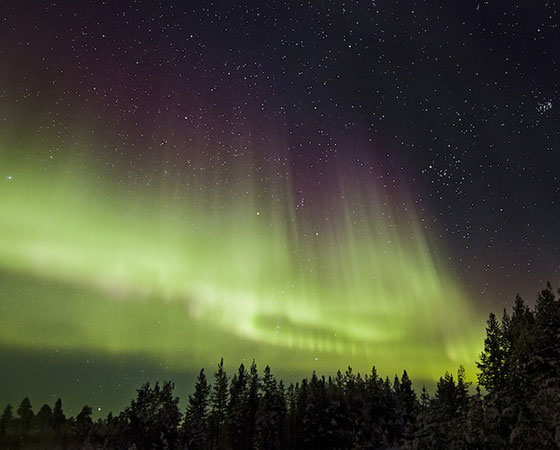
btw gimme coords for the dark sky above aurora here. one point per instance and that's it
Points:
(311, 184)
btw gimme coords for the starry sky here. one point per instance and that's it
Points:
(311, 184)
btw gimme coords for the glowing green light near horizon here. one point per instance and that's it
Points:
(187, 276)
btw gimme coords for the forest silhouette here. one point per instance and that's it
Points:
(514, 405)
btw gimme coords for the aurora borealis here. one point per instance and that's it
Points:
(282, 182)
(252, 270)
(173, 279)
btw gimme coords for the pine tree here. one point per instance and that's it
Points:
(237, 408)
(462, 389)
(368, 430)
(446, 395)
(492, 359)
(407, 398)
(444, 417)
(316, 421)
(195, 429)
(44, 418)
(218, 408)
(392, 426)
(354, 403)
(84, 424)
(58, 417)
(253, 398)
(25, 413)
(301, 398)
(520, 334)
(291, 399)
(271, 415)
(6, 419)
(424, 398)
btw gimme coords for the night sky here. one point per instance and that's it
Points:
(312, 184)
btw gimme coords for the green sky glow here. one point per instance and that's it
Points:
(183, 275)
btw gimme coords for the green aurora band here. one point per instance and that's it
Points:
(185, 272)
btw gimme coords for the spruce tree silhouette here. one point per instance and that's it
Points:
(271, 414)
(238, 407)
(250, 421)
(58, 416)
(492, 359)
(195, 427)
(25, 413)
(6, 419)
(44, 418)
(218, 408)
(84, 423)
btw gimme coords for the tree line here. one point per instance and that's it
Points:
(514, 405)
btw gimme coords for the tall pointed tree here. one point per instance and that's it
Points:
(195, 427)
(218, 407)
(406, 397)
(315, 419)
(58, 416)
(462, 388)
(237, 408)
(249, 426)
(44, 418)
(25, 413)
(84, 424)
(492, 359)
(6, 419)
(271, 416)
